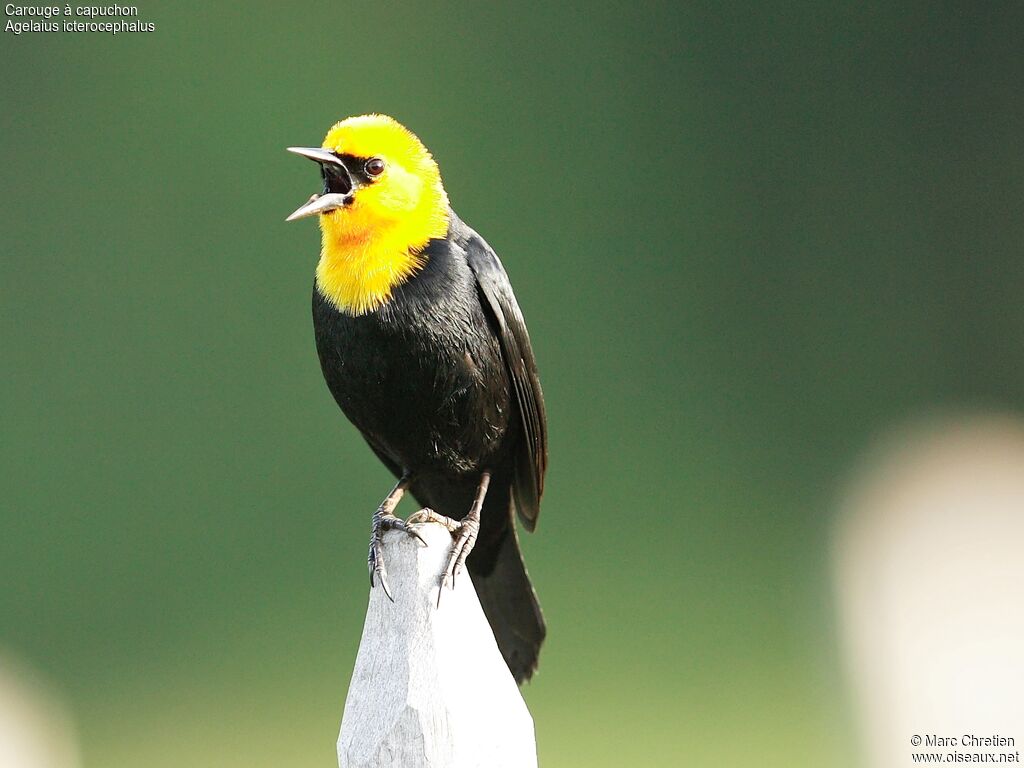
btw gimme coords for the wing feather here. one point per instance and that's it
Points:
(500, 303)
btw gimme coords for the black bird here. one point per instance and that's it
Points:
(424, 348)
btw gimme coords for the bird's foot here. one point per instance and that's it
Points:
(464, 532)
(384, 521)
(427, 515)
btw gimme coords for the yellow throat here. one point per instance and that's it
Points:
(376, 243)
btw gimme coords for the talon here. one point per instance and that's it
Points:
(385, 586)
(440, 589)
(378, 572)
(465, 537)
(384, 521)
(406, 526)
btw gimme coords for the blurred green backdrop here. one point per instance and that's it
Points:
(746, 238)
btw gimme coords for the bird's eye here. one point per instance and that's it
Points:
(374, 166)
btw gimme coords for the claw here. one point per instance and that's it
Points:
(377, 569)
(385, 586)
(385, 521)
(412, 532)
(465, 537)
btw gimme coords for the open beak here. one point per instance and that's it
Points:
(319, 204)
(338, 185)
(317, 155)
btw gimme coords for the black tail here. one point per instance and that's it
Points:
(510, 603)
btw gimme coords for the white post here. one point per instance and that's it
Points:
(430, 688)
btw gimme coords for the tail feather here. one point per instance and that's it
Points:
(511, 606)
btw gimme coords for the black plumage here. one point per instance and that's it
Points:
(442, 383)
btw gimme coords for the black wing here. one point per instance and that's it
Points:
(499, 302)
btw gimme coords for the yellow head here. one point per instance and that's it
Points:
(382, 202)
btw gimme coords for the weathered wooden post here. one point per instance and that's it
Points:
(430, 688)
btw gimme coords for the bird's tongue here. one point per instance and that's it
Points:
(336, 179)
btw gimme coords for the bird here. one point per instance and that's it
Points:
(423, 346)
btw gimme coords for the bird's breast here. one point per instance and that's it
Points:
(422, 377)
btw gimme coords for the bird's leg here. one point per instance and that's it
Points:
(384, 519)
(464, 531)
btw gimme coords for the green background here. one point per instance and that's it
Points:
(747, 239)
